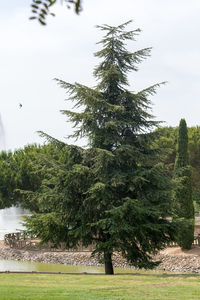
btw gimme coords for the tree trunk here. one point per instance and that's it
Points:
(108, 263)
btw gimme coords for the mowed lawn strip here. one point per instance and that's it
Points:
(144, 286)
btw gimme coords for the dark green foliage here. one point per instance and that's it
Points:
(7, 179)
(182, 159)
(165, 143)
(182, 204)
(24, 170)
(111, 195)
(42, 8)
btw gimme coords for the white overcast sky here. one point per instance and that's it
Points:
(32, 55)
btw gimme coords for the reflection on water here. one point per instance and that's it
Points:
(10, 220)
(11, 265)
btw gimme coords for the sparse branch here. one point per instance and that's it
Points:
(40, 9)
(51, 139)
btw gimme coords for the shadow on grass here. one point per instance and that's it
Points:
(164, 275)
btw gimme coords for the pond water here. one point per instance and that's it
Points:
(11, 265)
(26, 266)
(10, 221)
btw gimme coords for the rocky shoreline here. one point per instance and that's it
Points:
(179, 263)
(172, 260)
(61, 257)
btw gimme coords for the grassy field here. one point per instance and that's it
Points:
(143, 286)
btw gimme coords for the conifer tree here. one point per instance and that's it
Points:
(115, 197)
(183, 202)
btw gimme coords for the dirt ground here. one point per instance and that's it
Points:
(170, 251)
(177, 251)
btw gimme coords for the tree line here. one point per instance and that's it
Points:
(166, 142)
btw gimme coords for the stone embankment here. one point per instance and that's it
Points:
(69, 258)
(171, 259)
(179, 263)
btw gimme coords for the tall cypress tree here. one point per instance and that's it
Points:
(115, 197)
(183, 203)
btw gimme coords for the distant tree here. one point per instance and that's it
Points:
(194, 159)
(24, 170)
(7, 179)
(183, 204)
(113, 195)
(42, 8)
(165, 142)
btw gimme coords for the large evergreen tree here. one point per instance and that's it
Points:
(183, 203)
(112, 195)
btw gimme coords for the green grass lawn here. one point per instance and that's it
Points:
(143, 286)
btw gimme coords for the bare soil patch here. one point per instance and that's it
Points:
(178, 251)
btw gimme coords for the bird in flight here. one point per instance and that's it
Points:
(20, 105)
